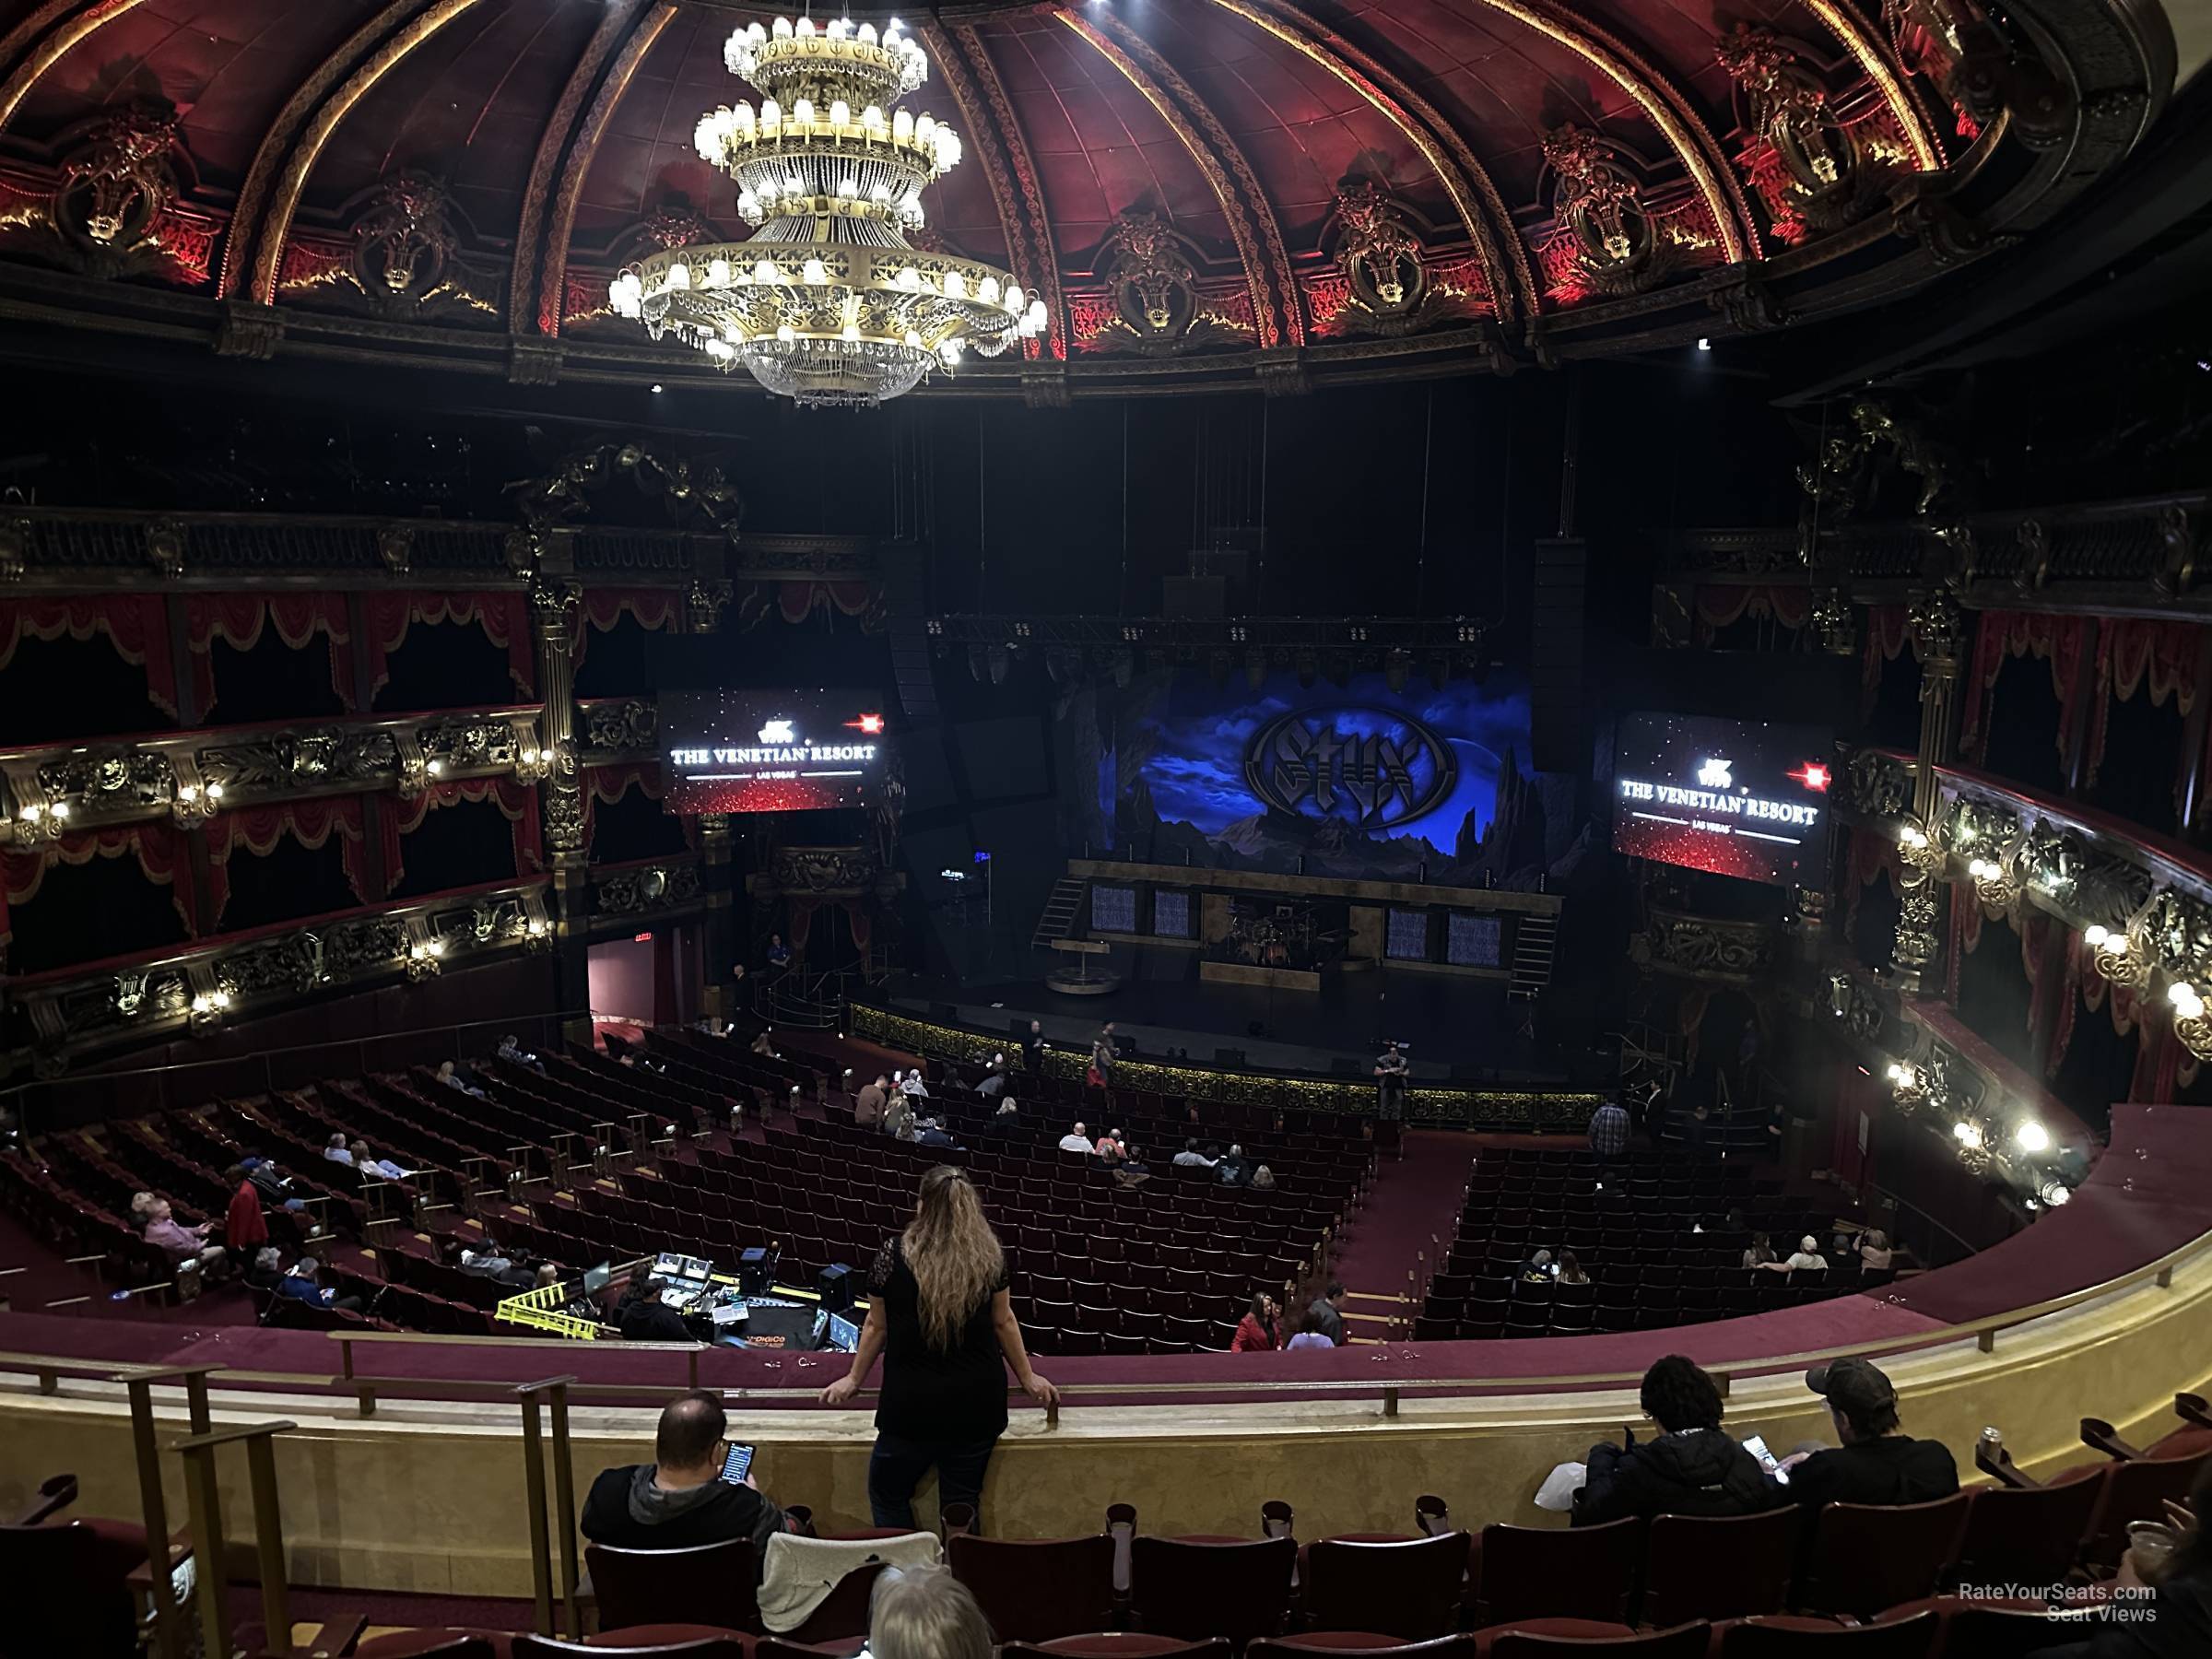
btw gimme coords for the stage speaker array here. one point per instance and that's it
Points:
(1558, 717)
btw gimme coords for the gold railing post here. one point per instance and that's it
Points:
(207, 1551)
(138, 1384)
(533, 1486)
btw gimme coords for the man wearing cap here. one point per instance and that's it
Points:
(1876, 1463)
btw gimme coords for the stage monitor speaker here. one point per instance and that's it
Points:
(1558, 720)
(834, 1287)
(1228, 1056)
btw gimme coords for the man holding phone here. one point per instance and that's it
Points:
(698, 1489)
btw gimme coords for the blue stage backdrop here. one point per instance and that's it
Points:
(1356, 780)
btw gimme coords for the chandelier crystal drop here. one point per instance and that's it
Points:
(826, 302)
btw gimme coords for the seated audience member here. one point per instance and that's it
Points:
(1691, 1468)
(1109, 1153)
(680, 1500)
(270, 1181)
(925, 1613)
(1874, 1254)
(1806, 1254)
(912, 1085)
(267, 1271)
(2174, 1621)
(1263, 1180)
(1878, 1463)
(512, 1049)
(1075, 1140)
(369, 1164)
(142, 1209)
(1190, 1158)
(994, 1080)
(336, 1151)
(1762, 1252)
(764, 1042)
(1571, 1270)
(1008, 1116)
(1231, 1169)
(304, 1283)
(932, 1133)
(182, 1242)
(641, 1316)
(898, 1114)
(485, 1264)
(1111, 1142)
(868, 1104)
(1256, 1331)
(1133, 1170)
(453, 1077)
(1309, 1332)
(1329, 1309)
(1537, 1270)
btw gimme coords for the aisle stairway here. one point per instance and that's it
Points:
(1415, 1200)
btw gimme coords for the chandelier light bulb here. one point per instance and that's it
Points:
(766, 272)
(2095, 934)
(914, 338)
(771, 112)
(814, 274)
(718, 273)
(987, 290)
(802, 111)
(806, 29)
(2180, 992)
(872, 118)
(2033, 1136)
(903, 126)
(852, 331)
(955, 288)
(680, 275)
(840, 112)
(783, 29)
(787, 334)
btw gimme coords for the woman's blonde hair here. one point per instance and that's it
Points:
(925, 1613)
(952, 1252)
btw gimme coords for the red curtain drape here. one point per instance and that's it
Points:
(240, 617)
(2133, 654)
(503, 617)
(654, 608)
(136, 624)
(2060, 640)
(159, 848)
(1889, 630)
(310, 823)
(1721, 604)
(798, 600)
(862, 922)
(517, 803)
(801, 913)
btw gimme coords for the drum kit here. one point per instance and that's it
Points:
(1286, 939)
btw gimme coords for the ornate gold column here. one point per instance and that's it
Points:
(553, 608)
(1936, 632)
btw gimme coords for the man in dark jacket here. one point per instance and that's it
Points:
(1876, 1463)
(1692, 1468)
(680, 1499)
(643, 1316)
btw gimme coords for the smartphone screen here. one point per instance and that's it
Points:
(736, 1462)
(1757, 1446)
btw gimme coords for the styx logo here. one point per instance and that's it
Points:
(1375, 765)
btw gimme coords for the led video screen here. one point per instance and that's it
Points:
(740, 750)
(1731, 797)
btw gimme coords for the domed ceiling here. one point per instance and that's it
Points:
(1203, 192)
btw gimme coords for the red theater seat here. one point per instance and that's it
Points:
(1238, 1590)
(1719, 1567)
(1544, 1572)
(1038, 1591)
(1864, 1558)
(1683, 1641)
(1812, 1639)
(1409, 1589)
(712, 1585)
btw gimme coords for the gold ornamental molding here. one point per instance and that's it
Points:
(45, 38)
(1216, 156)
(1664, 109)
(291, 180)
(553, 285)
(521, 291)
(973, 82)
(1867, 50)
(1439, 144)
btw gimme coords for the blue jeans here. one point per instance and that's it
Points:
(897, 1465)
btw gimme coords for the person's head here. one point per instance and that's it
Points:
(1263, 1176)
(1810, 1245)
(360, 1152)
(1876, 1238)
(999, 1060)
(691, 1433)
(445, 1069)
(1541, 1259)
(1263, 1307)
(1236, 1152)
(1760, 1242)
(925, 1613)
(1114, 1133)
(1189, 1146)
(1080, 1130)
(881, 1081)
(547, 1274)
(1036, 1028)
(1860, 1397)
(952, 1252)
(338, 1142)
(1677, 1395)
(450, 1252)
(142, 1205)
(1334, 1293)
(267, 1260)
(1312, 1321)
(158, 1210)
(235, 1174)
(775, 938)
(1569, 1267)
(306, 1267)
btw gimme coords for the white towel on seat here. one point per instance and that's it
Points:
(801, 1572)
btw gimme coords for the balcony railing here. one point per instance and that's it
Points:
(52, 790)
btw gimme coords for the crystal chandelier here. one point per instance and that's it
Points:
(828, 303)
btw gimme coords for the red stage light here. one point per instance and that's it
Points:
(871, 724)
(1813, 775)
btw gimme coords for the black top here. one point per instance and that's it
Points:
(956, 1396)
(626, 1511)
(1890, 1470)
(648, 1319)
(2178, 1626)
(1032, 1049)
(1698, 1471)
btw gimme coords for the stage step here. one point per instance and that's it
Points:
(1060, 910)
(1534, 940)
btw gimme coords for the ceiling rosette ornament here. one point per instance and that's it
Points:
(1387, 286)
(1154, 287)
(1610, 239)
(1808, 167)
(829, 303)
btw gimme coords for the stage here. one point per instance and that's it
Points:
(1447, 1023)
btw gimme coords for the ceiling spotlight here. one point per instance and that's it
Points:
(656, 387)
(1705, 343)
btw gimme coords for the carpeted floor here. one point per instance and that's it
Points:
(1415, 1199)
